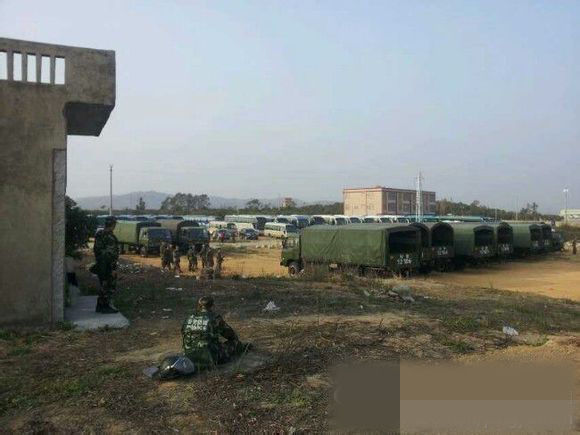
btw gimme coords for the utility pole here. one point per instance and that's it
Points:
(111, 190)
(419, 199)
(565, 206)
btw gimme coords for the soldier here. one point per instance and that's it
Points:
(166, 256)
(203, 255)
(574, 246)
(106, 250)
(219, 259)
(176, 259)
(192, 258)
(201, 334)
(209, 257)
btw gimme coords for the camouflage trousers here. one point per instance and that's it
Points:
(206, 358)
(107, 286)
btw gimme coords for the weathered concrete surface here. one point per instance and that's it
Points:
(82, 314)
(35, 119)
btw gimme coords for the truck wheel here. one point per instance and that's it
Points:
(121, 249)
(143, 251)
(293, 269)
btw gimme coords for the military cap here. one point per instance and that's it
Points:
(205, 302)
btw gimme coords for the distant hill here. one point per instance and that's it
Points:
(154, 199)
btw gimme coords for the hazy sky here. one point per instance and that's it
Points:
(303, 98)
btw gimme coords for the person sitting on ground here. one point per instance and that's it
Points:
(201, 334)
(192, 259)
(176, 259)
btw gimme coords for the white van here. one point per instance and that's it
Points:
(243, 225)
(218, 225)
(278, 230)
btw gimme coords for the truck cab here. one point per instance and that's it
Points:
(150, 239)
(290, 257)
(193, 236)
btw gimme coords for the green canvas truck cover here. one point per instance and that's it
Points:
(176, 224)
(128, 231)
(464, 237)
(527, 236)
(363, 244)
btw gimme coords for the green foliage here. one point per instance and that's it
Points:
(185, 203)
(529, 212)
(80, 226)
(254, 204)
(570, 232)
(141, 206)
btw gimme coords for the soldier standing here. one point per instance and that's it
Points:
(574, 246)
(201, 334)
(166, 256)
(219, 259)
(203, 255)
(106, 250)
(176, 259)
(192, 258)
(209, 257)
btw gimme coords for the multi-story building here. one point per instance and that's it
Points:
(385, 200)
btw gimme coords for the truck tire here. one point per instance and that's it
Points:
(121, 249)
(293, 268)
(143, 251)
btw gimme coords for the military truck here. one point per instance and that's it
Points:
(473, 243)
(185, 233)
(436, 245)
(503, 239)
(382, 248)
(142, 237)
(546, 244)
(527, 238)
(557, 241)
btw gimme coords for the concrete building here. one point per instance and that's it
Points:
(46, 93)
(384, 200)
(287, 202)
(570, 216)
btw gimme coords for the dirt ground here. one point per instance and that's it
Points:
(60, 380)
(244, 260)
(555, 275)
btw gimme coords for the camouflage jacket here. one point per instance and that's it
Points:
(201, 334)
(106, 250)
(191, 254)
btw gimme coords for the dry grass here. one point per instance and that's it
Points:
(93, 380)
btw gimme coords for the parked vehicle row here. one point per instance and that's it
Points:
(407, 248)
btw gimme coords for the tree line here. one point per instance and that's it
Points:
(187, 203)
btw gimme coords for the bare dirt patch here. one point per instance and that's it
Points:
(556, 275)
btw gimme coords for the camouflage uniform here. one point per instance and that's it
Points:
(219, 259)
(203, 255)
(106, 250)
(209, 257)
(176, 259)
(201, 334)
(192, 258)
(166, 256)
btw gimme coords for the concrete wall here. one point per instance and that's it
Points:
(35, 119)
